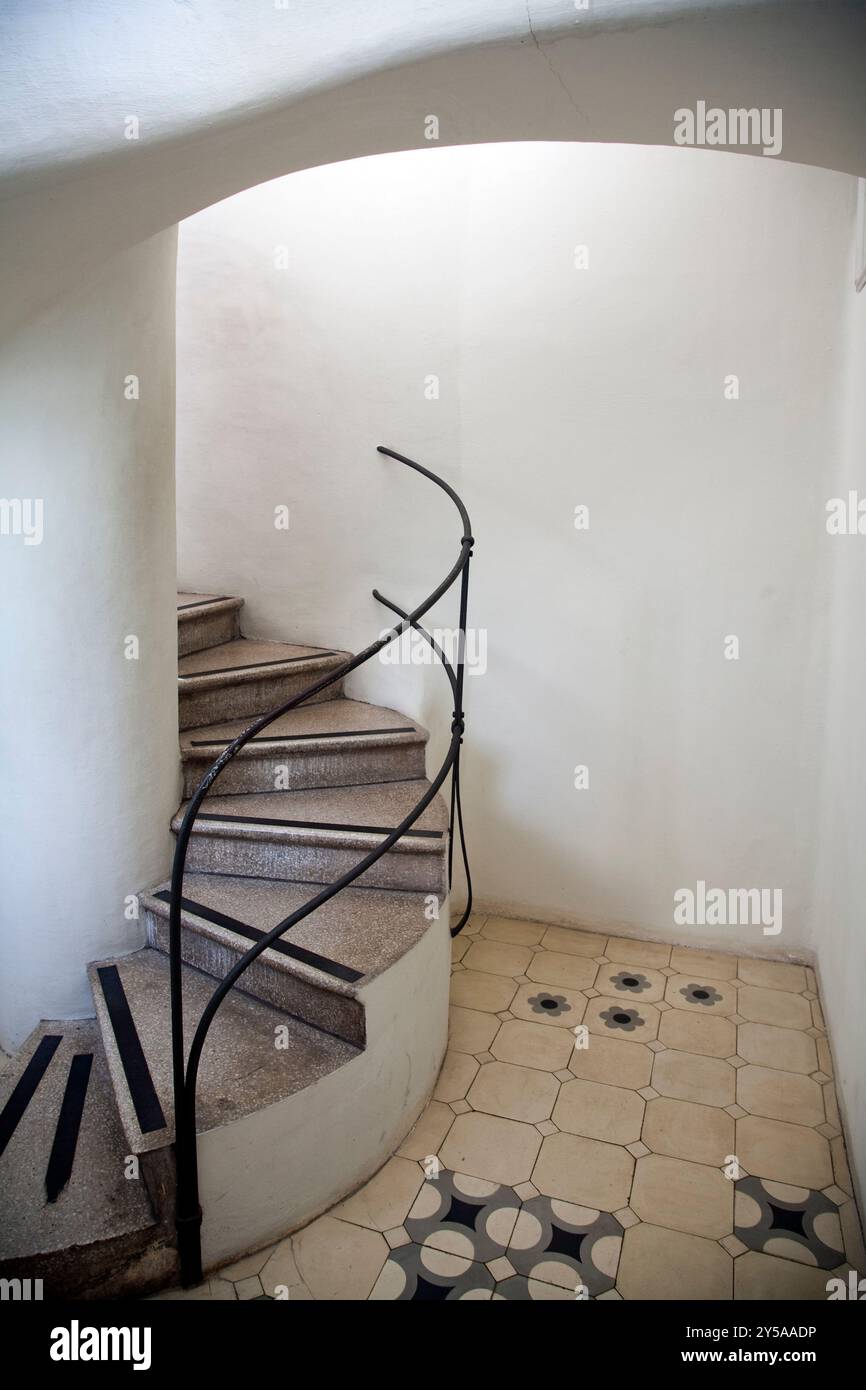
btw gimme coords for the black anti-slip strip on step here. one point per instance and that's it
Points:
(285, 948)
(318, 825)
(26, 1086)
(206, 603)
(141, 1088)
(302, 738)
(255, 665)
(60, 1163)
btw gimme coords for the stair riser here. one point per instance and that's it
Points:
(304, 863)
(216, 704)
(334, 1013)
(208, 630)
(280, 770)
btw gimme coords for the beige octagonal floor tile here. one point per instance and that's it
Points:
(637, 983)
(516, 1093)
(774, 1006)
(701, 996)
(685, 1196)
(384, 1201)
(585, 1171)
(660, 1264)
(784, 1152)
(599, 1112)
(517, 933)
(712, 965)
(708, 1034)
(567, 1005)
(459, 946)
(613, 1062)
(455, 1078)
(559, 968)
(573, 941)
(626, 948)
(681, 1129)
(475, 989)
(784, 1095)
(772, 974)
(471, 1030)
(427, 1133)
(339, 1261)
(686, 1076)
(784, 1048)
(765, 1278)
(487, 1146)
(497, 957)
(533, 1045)
(626, 1020)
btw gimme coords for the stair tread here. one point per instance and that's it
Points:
(345, 815)
(241, 1069)
(98, 1203)
(363, 929)
(248, 658)
(334, 721)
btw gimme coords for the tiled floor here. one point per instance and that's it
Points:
(683, 1142)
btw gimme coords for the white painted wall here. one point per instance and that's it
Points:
(88, 739)
(840, 919)
(558, 386)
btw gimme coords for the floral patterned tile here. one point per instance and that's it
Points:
(795, 1223)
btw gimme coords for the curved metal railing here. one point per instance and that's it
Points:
(188, 1215)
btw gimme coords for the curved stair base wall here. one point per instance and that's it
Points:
(270, 1172)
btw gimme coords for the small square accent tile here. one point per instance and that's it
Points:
(815, 1032)
(484, 1057)
(662, 1004)
(501, 1268)
(249, 1288)
(590, 993)
(626, 1217)
(829, 1131)
(733, 1245)
(522, 979)
(546, 1127)
(526, 1191)
(820, 1076)
(836, 1195)
(655, 1046)
(460, 1107)
(505, 1015)
(666, 970)
(648, 1094)
(458, 965)
(601, 960)
(736, 1018)
(809, 994)
(638, 1150)
(397, 1236)
(736, 1111)
(736, 1061)
(564, 1075)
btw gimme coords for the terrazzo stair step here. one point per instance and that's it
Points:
(316, 970)
(242, 1070)
(69, 1213)
(335, 743)
(247, 677)
(206, 620)
(316, 836)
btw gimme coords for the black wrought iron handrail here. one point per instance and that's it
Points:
(188, 1213)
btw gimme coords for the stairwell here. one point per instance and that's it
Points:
(315, 1070)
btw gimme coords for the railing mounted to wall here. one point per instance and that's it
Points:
(188, 1214)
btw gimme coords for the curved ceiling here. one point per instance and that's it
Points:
(231, 94)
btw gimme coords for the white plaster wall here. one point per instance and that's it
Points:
(557, 387)
(88, 740)
(840, 916)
